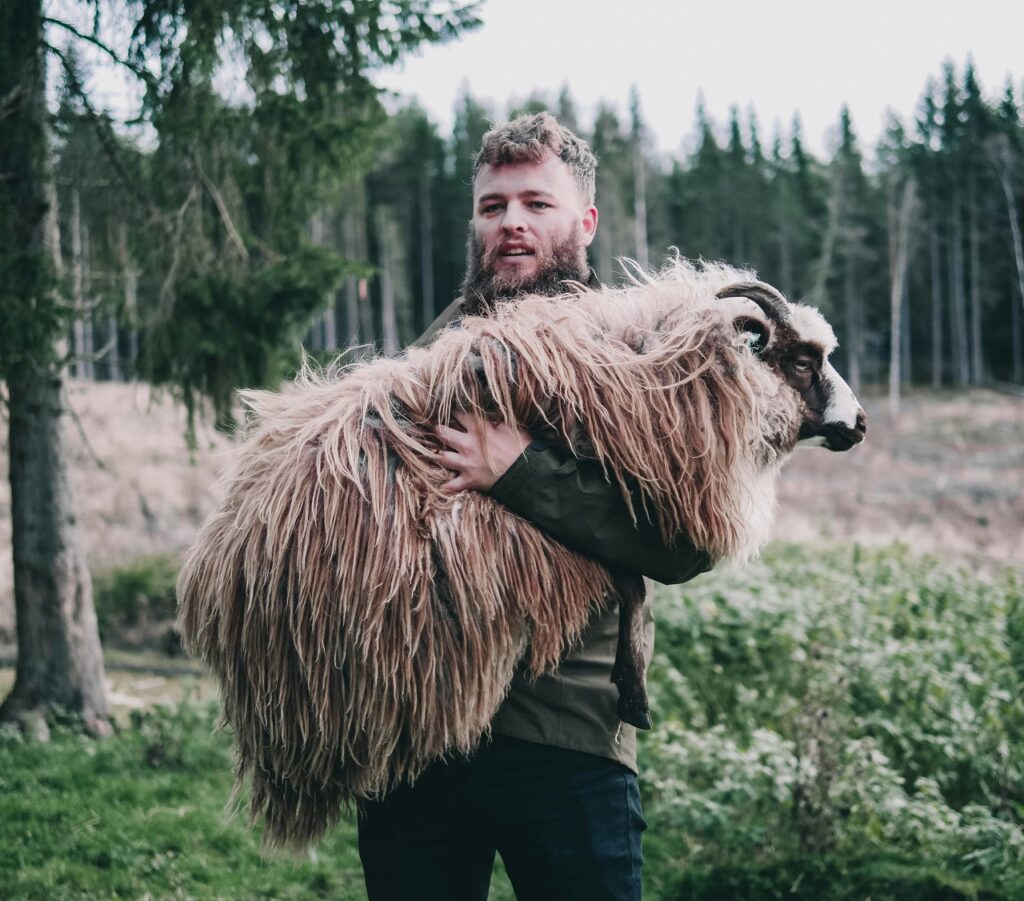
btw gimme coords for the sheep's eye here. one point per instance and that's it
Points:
(803, 365)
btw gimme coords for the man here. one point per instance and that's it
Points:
(555, 790)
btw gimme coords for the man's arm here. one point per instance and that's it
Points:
(569, 499)
(572, 501)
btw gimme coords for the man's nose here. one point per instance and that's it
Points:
(514, 219)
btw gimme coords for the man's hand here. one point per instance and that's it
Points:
(465, 453)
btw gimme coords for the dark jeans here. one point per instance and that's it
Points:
(567, 826)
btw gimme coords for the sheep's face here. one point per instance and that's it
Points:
(795, 341)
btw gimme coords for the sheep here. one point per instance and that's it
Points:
(363, 623)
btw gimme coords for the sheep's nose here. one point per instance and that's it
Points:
(840, 437)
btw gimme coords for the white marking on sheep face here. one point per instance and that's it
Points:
(798, 352)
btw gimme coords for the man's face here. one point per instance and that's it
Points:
(529, 232)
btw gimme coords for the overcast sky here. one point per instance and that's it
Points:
(779, 56)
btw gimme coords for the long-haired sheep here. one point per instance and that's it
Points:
(362, 623)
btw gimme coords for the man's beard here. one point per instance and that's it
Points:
(483, 285)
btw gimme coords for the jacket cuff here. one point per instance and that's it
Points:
(510, 482)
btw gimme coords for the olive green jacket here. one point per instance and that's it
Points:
(573, 502)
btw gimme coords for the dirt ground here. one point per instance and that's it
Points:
(946, 476)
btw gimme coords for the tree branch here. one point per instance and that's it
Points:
(134, 68)
(222, 209)
(103, 131)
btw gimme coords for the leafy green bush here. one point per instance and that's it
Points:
(833, 878)
(821, 702)
(140, 590)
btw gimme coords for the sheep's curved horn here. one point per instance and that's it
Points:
(774, 305)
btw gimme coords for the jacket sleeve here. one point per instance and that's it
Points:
(573, 502)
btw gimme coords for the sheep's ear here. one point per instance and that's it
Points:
(756, 332)
(749, 320)
(769, 299)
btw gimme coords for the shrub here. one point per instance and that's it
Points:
(142, 590)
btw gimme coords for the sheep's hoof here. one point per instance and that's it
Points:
(635, 712)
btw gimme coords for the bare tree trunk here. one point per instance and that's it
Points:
(640, 204)
(958, 306)
(82, 327)
(113, 350)
(325, 329)
(362, 252)
(59, 657)
(933, 248)
(850, 302)
(385, 245)
(426, 233)
(60, 662)
(130, 280)
(974, 242)
(351, 287)
(785, 256)
(1003, 157)
(1016, 350)
(899, 243)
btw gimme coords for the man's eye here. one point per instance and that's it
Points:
(491, 208)
(539, 204)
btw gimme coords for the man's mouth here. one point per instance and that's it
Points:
(515, 252)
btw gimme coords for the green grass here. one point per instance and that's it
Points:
(911, 785)
(143, 813)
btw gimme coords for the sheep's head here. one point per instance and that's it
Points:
(795, 341)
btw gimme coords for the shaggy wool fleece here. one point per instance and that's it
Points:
(362, 623)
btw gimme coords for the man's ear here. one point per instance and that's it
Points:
(589, 225)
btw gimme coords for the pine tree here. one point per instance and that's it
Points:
(230, 298)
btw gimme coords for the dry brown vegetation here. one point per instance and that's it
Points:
(946, 477)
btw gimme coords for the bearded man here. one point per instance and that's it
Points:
(554, 788)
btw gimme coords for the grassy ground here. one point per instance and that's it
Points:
(916, 774)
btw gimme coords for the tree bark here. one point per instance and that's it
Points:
(640, 203)
(351, 287)
(426, 252)
(957, 301)
(974, 243)
(852, 315)
(60, 662)
(899, 224)
(385, 247)
(1004, 164)
(1016, 350)
(933, 249)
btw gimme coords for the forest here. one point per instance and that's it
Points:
(912, 248)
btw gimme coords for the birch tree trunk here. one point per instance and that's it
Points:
(81, 367)
(974, 244)
(1003, 158)
(900, 254)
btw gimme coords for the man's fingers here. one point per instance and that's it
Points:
(452, 460)
(459, 483)
(452, 437)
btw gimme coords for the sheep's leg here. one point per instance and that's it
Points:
(628, 672)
